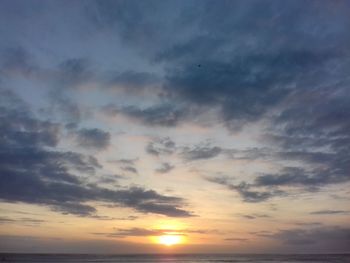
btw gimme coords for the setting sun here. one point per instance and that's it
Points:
(169, 240)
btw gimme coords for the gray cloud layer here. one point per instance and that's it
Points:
(32, 171)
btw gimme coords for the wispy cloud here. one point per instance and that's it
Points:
(330, 212)
(165, 168)
(131, 232)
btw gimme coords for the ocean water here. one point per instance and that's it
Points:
(53, 258)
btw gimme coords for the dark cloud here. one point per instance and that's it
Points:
(133, 81)
(291, 176)
(244, 88)
(130, 169)
(255, 216)
(74, 71)
(148, 28)
(329, 237)
(75, 208)
(237, 239)
(313, 122)
(127, 165)
(125, 161)
(308, 224)
(201, 151)
(165, 168)
(250, 154)
(191, 32)
(166, 115)
(66, 107)
(110, 179)
(254, 196)
(263, 233)
(32, 171)
(133, 232)
(69, 197)
(17, 60)
(315, 169)
(325, 108)
(62, 84)
(322, 169)
(330, 212)
(127, 218)
(248, 192)
(284, 63)
(24, 221)
(248, 65)
(93, 138)
(160, 146)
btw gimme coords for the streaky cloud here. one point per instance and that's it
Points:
(165, 168)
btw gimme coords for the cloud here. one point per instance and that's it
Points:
(133, 81)
(151, 30)
(130, 169)
(165, 168)
(248, 192)
(73, 71)
(127, 165)
(282, 65)
(24, 221)
(136, 231)
(330, 212)
(17, 60)
(314, 169)
(160, 146)
(255, 216)
(329, 237)
(323, 169)
(290, 78)
(231, 87)
(246, 71)
(65, 106)
(308, 224)
(201, 151)
(63, 85)
(254, 196)
(93, 138)
(70, 198)
(110, 179)
(237, 239)
(125, 161)
(291, 176)
(33, 171)
(133, 232)
(166, 115)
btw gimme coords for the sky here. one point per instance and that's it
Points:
(222, 123)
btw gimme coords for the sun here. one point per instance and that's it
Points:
(169, 240)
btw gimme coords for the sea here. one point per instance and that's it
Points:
(56, 258)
